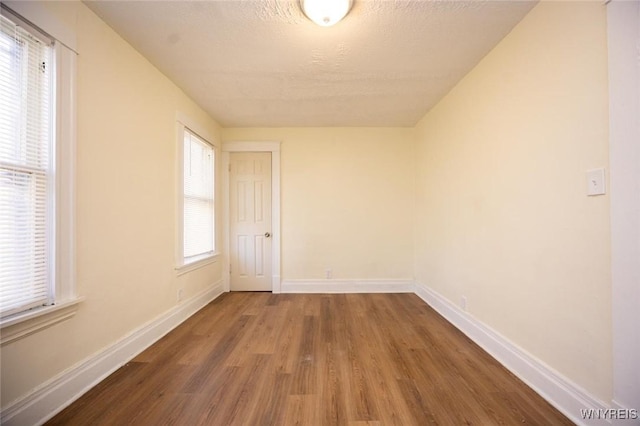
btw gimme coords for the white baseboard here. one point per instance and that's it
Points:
(347, 286)
(560, 392)
(57, 393)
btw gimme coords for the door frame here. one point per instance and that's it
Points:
(623, 34)
(253, 146)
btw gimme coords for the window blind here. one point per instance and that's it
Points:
(25, 168)
(198, 197)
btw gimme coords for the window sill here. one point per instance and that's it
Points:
(23, 324)
(197, 264)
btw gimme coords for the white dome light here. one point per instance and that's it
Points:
(326, 12)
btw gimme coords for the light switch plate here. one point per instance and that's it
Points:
(595, 182)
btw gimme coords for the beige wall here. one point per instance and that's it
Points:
(502, 216)
(125, 206)
(346, 200)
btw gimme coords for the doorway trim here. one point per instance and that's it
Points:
(253, 146)
(623, 34)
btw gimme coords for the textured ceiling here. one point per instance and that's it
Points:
(264, 64)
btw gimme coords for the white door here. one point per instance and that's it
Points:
(250, 221)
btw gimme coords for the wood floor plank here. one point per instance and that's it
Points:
(241, 395)
(270, 405)
(286, 356)
(209, 369)
(326, 359)
(301, 410)
(305, 376)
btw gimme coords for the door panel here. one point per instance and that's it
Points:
(250, 221)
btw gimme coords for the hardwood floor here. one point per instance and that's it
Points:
(340, 359)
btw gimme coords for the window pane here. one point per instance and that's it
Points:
(23, 265)
(198, 226)
(25, 171)
(199, 234)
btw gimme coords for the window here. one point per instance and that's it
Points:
(198, 218)
(36, 180)
(25, 169)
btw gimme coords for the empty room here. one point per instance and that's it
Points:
(345, 212)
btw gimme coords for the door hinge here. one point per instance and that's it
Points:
(229, 167)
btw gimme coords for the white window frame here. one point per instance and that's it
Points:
(63, 236)
(183, 266)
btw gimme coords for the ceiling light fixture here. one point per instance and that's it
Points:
(326, 12)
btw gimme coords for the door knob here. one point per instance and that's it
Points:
(266, 234)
